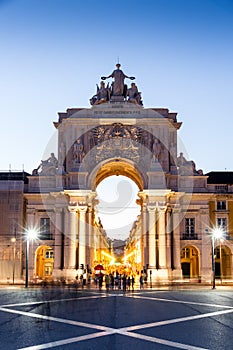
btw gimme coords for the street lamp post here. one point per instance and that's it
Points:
(13, 240)
(31, 235)
(27, 253)
(213, 262)
(217, 233)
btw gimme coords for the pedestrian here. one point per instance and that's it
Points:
(119, 281)
(116, 282)
(81, 280)
(112, 281)
(141, 282)
(96, 281)
(132, 282)
(107, 282)
(128, 282)
(84, 278)
(100, 282)
(124, 282)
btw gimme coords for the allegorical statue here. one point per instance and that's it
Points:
(134, 96)
(187, 167)
(118, 90)
(102, 94)
(47, 166)
(118, 86)
(78, 150)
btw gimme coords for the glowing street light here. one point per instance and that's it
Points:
(217, 233)
(13, 240)
(31, 235)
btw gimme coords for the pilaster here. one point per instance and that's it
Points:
(162, 237)
(58, 241)
(177, 272)
(152, 237)
(82, 234)
(71, 237)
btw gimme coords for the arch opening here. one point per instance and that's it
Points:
(118, 212)
(117, 166)
(117, 206)
(222, 257)
(44, 262)
(190, 262)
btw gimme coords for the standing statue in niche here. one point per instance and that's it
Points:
(156, 150)
(118, 86)
(78, 151)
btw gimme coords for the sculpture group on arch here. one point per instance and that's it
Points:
(118, 90)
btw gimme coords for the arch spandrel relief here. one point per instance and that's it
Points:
(115, 141)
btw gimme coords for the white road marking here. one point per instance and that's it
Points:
(66, 341)
(162, 341)
(177, 320)
(56, 319)
(56, 300)
(178, 301)
(126, 331)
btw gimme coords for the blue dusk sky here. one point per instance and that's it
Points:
(53, 52)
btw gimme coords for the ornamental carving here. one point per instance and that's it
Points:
(115, 141)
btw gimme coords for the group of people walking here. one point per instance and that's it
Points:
(118, 282)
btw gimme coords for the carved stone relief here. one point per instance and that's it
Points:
(116, 141)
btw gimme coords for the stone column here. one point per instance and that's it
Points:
(162, 237)
(168, 238)
(144, 237)
(91, 236)
(177, 273)
(57, 241)
(152, 237)
(71, 249)
(205, 258)
(82, 234)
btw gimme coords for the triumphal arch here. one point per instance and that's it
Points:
(116, 135)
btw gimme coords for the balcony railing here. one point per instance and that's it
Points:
(190, 236)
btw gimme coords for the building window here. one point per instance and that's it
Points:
(49, 254)
(185, 253)
(189, 227)
(221, 205)
(45, 231)
(222, 222)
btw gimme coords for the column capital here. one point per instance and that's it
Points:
(82, 208)
(31, 211)
(151, 208)
(58, 210)
(176, 210)
(72, 207)
(162, 209)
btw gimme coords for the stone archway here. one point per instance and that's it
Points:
(190, 262)
(222, 255)
(116, 138)
(44, 262)
(116, 167)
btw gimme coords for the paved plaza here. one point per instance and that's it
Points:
(63, 318)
